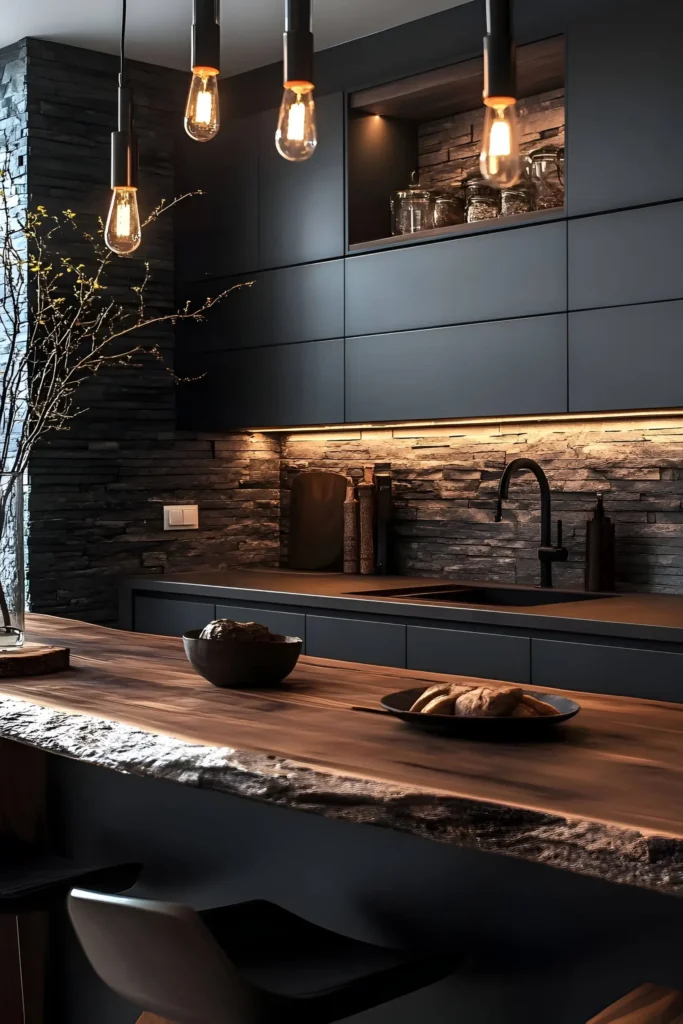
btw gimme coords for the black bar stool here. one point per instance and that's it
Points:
(252, 963)
(33, 880)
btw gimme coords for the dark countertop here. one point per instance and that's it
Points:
(647, 617)
(602, 796)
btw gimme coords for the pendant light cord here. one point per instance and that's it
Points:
(123, 39)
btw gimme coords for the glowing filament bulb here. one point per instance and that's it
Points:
(500, 161)
(202, 114)
(123, 233)
(296, 136)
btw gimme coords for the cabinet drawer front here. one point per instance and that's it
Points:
(503, 368)
(279, 307)
(655, 675)
(278, 386)
(628, 257)
(486, 655)
(375, 643)
(286, 623)
(522, 272)
(166, 617)
(626, 358)
(301, 205)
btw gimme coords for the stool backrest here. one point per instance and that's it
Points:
(160, 957)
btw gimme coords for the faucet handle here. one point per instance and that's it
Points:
(559, 533)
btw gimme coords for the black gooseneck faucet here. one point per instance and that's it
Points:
(548, 552)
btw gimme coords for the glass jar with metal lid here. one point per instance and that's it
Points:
(412, 209)
(519, 198)
(482, 201)
(449, 207)
(546, 170)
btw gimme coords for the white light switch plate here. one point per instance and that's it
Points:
(181, 517)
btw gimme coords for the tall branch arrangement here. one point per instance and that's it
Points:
(61, 323)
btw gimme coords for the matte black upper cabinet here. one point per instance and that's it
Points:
(279, 307)
(516, 273)
(503, 368)
(301, 205)
(217, 233)
(624, 102)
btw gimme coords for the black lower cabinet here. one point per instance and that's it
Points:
(627, 357)
(375, 643)
(166, 616)
(285, 623)
(274, 386)
(505, 367)
(486, 655)
(622, 671)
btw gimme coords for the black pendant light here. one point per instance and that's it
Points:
(296, 136)
(202, 114)
(500, 159)
(122, 232)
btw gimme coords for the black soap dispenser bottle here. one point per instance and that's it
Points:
(600, 551)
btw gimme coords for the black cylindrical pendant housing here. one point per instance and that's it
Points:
(500, 61)
(124, 149)
(298, 42)
(206, 35)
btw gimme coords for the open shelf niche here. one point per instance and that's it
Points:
(433, 123)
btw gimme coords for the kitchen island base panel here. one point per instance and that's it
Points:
(528, 932)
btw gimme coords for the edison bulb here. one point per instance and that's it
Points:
(202, 114)
(296, 136)
(500, 161)
(123, 233)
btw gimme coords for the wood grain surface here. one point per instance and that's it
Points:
(618, 762)
(648, 1004)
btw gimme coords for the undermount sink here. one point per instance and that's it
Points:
(506, 597)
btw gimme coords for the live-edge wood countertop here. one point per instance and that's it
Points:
(602, 797)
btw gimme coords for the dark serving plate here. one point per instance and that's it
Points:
(238, 663)
(480, 727)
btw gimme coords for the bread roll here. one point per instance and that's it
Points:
(488, 702)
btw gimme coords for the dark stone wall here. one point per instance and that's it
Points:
(97, 490)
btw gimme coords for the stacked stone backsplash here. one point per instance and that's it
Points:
(97, 490)
(448, 149)
(445, 481)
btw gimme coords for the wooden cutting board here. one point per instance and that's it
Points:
(316, 522)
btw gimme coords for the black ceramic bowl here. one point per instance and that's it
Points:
(239, 663)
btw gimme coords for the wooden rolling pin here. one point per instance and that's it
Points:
(351, 546)
(366, 499)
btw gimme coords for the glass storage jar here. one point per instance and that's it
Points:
(412, 209)
(449, 207)
(546, 169)
(519, 198)
(482, 201)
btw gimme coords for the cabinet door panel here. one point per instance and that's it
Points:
(301, 206)
(625, 94)
(286, 623)
(627, 357)
(504, 274)
(626, 257)
(166, 617)
(504, 368)
(375, 643)
(216, 234)
(654, 675)
(279, 307)
(485, 655)
(279, 386)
